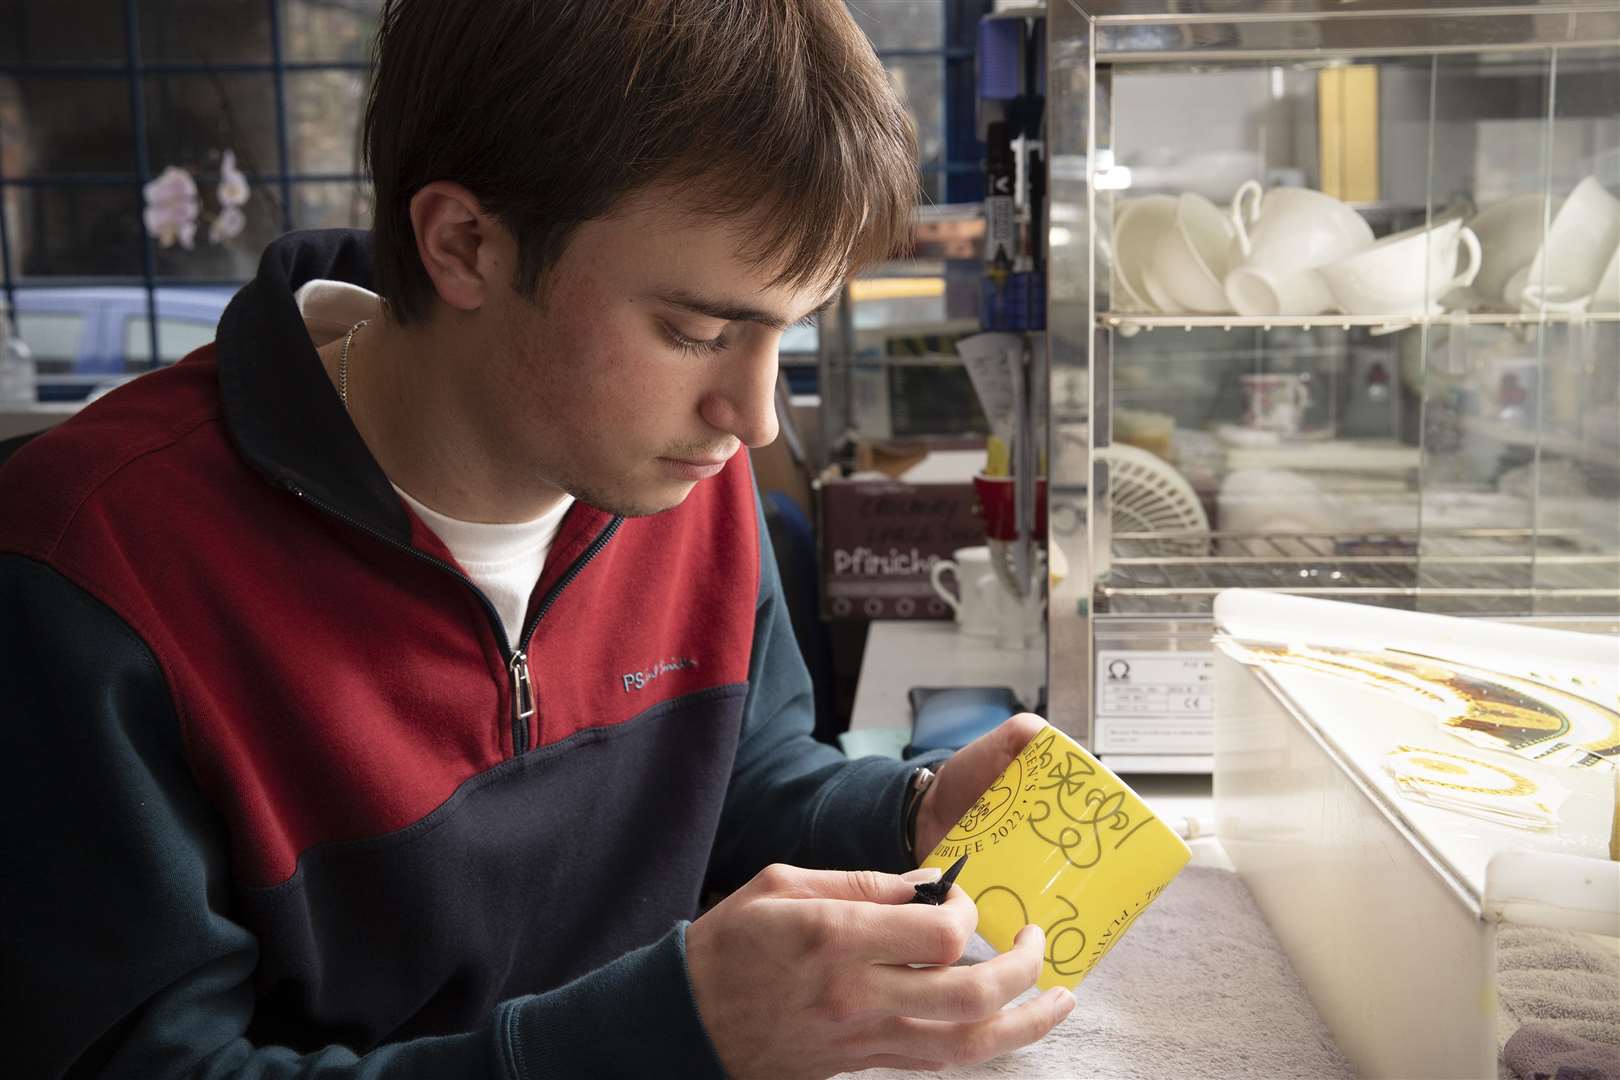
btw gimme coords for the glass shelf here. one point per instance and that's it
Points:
(1128, 321)
(1481, 571)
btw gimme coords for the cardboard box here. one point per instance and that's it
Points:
(880, 540)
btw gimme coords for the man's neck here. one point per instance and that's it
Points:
(417, 423)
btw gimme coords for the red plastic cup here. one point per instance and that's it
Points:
(1000, 515)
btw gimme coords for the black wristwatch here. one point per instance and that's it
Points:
(921, 780)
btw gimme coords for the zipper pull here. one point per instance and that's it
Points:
(522, 700)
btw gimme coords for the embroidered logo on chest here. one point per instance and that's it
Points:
(639, 680)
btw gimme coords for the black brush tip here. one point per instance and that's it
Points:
(935, 892)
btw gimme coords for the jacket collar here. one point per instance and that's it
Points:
(280, 408)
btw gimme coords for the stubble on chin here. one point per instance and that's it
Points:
(620, 502)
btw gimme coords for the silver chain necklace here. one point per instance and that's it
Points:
(343, 363)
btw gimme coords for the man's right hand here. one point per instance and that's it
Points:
(804, 973)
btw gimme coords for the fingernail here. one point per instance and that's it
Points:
(1024, 935)
(922, 875)
(1063, 998)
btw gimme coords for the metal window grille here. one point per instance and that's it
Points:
(960, 165)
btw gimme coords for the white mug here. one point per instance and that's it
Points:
(1405, 273)
(973, 609)
(1282, 237)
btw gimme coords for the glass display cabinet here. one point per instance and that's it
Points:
(1335, 310)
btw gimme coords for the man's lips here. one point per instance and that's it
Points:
(695, 468)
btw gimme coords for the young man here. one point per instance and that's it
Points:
(385, 683)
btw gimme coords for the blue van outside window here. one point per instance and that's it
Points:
(86, 339)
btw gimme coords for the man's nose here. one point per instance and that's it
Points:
(744, 404)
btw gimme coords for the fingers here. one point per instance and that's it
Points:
(981, 1040)
(971, 992)
(920, 933)
(870, 885)
(868, 914)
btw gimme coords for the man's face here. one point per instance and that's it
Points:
(649, 360)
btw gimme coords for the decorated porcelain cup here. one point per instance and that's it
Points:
(1275, 401)
(1060, 841)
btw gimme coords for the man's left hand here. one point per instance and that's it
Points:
(967, 775)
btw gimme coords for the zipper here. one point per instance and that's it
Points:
(517, 660)
(521, 685)
(522, 699)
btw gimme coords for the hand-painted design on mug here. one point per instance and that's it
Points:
(1079, 829)
(1065, 947)
(1039, 839)
(999, 897)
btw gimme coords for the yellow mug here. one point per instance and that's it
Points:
(1060, 841)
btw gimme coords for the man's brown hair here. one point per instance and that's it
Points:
(775, 113)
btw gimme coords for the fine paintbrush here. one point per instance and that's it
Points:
(935, 892)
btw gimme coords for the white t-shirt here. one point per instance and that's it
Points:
(504, 560)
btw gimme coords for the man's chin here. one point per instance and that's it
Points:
(640, 503)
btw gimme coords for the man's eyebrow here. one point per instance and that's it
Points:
(728, 311)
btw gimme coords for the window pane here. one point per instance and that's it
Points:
(933, 188)
(332, 206)
(323, 121)
(206, 31)
(177, 338)
(37, 33)
(190, 118)
(74, 231)
(53, 337)
(70, 125)
(920, 82)
(234, 258)
(901, 24)
(328, 29)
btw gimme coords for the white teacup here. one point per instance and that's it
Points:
(1405, 273)
(1510, 234)
(973, 602)
(1283, 236)
(1570, 263)
(1138, 225)
(1190, 259)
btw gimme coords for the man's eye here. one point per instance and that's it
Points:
(694, 345)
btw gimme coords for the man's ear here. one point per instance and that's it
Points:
(462, 248)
